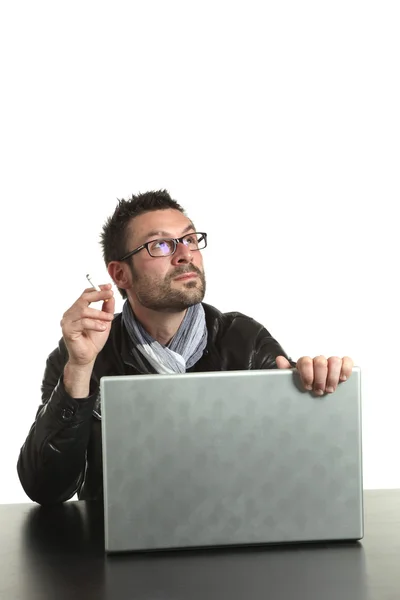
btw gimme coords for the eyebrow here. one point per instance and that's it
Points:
(166, 234)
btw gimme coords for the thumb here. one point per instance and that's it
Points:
(109, 305)
(282, 363)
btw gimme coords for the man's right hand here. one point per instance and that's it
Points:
(85, 332)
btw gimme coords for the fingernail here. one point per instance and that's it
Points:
(319, 392)
(343, 378)
(329, 389)
(308, 387)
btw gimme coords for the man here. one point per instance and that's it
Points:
(153, 255)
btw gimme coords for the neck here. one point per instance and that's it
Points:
(162, 326)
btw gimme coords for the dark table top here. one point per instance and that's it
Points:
(57, 553)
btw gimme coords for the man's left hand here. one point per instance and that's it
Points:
(320, 374)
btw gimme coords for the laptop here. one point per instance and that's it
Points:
(229, 458)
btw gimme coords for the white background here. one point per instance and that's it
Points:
(275, 124)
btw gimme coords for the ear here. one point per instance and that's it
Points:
(120, 274)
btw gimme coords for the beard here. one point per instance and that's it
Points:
(158, 294)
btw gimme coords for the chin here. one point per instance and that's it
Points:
(189, 299)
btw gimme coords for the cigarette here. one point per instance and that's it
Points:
(96, 287)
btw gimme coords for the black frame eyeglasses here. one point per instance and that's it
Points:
(198, 244)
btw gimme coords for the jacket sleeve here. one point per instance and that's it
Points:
(52, 461)
(267, 349)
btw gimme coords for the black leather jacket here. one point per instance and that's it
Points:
(62, 454)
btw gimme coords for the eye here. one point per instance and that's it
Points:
(161, 247)
(192, 240)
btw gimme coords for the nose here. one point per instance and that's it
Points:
(182, 254)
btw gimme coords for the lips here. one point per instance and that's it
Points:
(185, 276)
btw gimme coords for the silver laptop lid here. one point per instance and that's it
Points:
(205, 459)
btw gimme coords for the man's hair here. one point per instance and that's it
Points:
(114, 233)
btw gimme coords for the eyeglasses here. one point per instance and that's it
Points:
(167, 246)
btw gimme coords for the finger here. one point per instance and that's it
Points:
(320, 374)
(305, 367)
(347, 368)
(334, 369)
(92, 313)
(79, 308)
(103, 286)
(282, 363)
(109, 306)
(89, 325)
(92, 295)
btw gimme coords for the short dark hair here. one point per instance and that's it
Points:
(114, 233)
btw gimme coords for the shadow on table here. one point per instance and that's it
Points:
(64, 552)
(295, 572)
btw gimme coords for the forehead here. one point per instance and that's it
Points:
(169, 222)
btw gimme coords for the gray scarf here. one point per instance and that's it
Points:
(183, 351)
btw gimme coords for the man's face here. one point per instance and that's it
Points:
(165, 283)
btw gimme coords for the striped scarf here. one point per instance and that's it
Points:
(183, 351)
